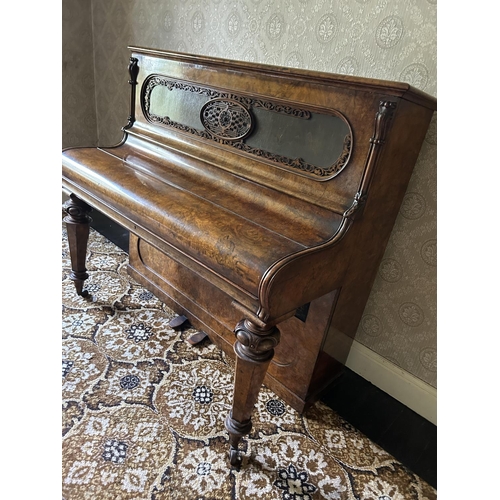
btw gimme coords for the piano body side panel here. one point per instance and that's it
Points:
(351, 264)
(373, 229)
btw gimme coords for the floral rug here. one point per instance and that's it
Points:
(143, 412)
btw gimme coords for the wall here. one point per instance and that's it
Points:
(78, 99)
(388, 39)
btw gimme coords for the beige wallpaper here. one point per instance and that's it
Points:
(388, 39)
(78, 99)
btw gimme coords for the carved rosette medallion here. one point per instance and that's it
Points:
(226, 119)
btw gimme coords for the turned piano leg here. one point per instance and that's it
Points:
(77, 224)
(254, 348)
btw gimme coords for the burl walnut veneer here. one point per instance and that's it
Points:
(260, 200)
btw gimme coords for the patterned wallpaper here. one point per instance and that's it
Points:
(78, 95)
(387, 39)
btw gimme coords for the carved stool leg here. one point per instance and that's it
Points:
(77, 224)
(254, 348)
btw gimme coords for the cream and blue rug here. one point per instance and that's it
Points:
(143, 412)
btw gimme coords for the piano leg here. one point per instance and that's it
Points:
(254, 348)
(77, 224)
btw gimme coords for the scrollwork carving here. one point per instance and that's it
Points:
(215, 131)
(155, 80)
(299, 163)
(77, 210)
(255, 343)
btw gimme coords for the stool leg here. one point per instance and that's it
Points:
(254, 348)
(77, 224)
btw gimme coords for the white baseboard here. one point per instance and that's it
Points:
(401, 385)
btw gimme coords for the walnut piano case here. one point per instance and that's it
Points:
(259, 200)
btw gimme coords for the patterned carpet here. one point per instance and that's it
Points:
(143, 412)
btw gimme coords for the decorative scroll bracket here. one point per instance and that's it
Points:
(254, 343)
(133, 69)
(383, 119)
(357, 204)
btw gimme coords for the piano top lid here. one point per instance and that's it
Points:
(399, 89)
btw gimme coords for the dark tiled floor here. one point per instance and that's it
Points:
(404, 434)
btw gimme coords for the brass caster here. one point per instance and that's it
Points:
(235, 458)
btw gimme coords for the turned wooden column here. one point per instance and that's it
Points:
(77, 224)
(254, 348)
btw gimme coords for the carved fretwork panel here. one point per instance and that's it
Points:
(306, 141)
